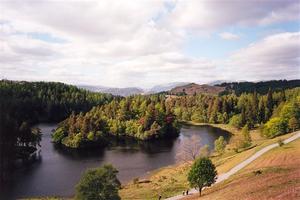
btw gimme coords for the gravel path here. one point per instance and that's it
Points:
(235, 169)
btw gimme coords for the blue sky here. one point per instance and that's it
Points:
(144, 43)
(214, 47)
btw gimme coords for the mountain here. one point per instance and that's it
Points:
(193, 88)
(114, 91)
(164, 87)
(123, 91)
(92, 88)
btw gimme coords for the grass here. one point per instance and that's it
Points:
(279, 178)
(165, 181)
(174, 181)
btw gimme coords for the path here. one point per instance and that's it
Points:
(235, 169)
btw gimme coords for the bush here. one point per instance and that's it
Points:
(99, 184)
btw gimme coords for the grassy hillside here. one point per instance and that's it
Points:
(171, 180)
(275, 175)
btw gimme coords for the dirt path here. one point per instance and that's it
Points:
(238, 167)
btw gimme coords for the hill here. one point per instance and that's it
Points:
(165, 87)
(193, 88)
(275, 175)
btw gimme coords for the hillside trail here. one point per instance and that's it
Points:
(244, 163)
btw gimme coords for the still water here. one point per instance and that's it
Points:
(57, 171)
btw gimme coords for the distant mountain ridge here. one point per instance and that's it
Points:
(114, 91)
(186, 88)
(127, 91)
(193, 88)
(165, 87)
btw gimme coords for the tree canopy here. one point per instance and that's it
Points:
(202, 174)
(99, 184)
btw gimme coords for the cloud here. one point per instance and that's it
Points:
(132, 43)
(277, 55)
(209, 15)
(229, 36)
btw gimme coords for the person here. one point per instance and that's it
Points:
(159, 197)
(183, 192)
(187, 192)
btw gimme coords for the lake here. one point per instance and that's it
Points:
(57, 171)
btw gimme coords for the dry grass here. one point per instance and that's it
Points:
(166, 182)
(279, 178)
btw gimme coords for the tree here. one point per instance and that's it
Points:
(236, 121)
(269, 105)
(246, 137)
(202, 174)
(274, 127)
(220, 145)
(190, 150)
(204, 151)
(293, 124)
(99, 184)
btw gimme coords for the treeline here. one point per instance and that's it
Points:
(23, 104)
(140, 117)
(261, 87)
(250, 109)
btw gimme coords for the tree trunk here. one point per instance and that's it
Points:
(200, 189)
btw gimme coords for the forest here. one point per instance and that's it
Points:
(261, 87)
(89, 118)
(24, 104)
(274, 113)
(139, 117)
(157, 116)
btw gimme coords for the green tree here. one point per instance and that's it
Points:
(246, 137)
(220, 145)
(293, 124)
(236, 121)
(202, 174)
(99, 184)
(274, 127)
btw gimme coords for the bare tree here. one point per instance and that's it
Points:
(191, 149)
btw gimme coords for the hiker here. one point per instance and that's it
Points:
(159, 197)
(183, 192)
(187, 192)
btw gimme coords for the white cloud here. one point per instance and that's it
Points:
(127, 43)
(229, 36)
(209, 15)
(275, 56)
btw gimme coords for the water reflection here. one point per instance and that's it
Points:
(58, 170)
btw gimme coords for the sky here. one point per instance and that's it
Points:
(142, 43)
